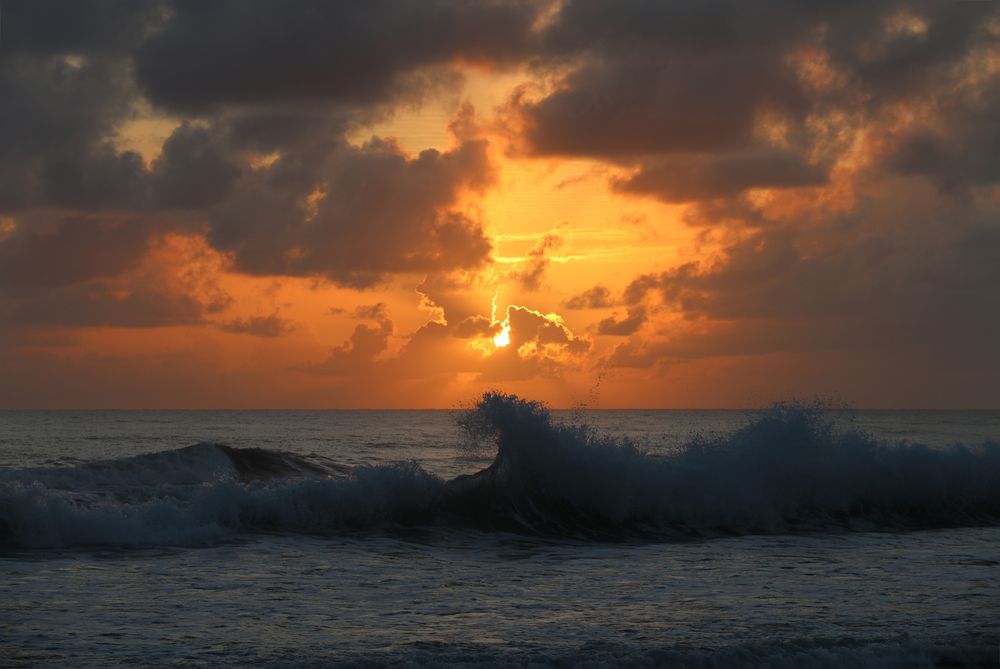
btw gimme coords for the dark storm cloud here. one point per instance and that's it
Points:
(77, 271)
(280, 128)
(674, 91)
(895, 50)
(240, 52)
(58, 119)
(323, 208)
(646, 104)
(779, 290)
(901, 270)
(885, 49)
(43, 253)
(62, 117)
(649, 77)
(95, 26)
(374, 211)
(703, 177)
(964, 152)
(685, 25)
(192, 171)
(98, 304)
(678, 91)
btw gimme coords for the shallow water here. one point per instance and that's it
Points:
(300, 594)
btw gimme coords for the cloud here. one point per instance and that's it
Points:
(961, 151)
(359, 353)
(702, 101)
(907, 271)
(537, 262)
(86, 272)
(375, 312)
(637, 105)
(257, 326)
(192, 172)
(541, 345)
(323, 207)
(55, 147)
(838, 162)
(248, 53)
(625, 326)
(97, 27)
(598, 297)
(704, 177)
(475, 326)
(365, 213)
(47, 251)
(885, 50)
(455, 296)
(634, 355)
(533, 328)
(101, 306)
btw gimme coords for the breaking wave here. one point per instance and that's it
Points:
(787, 471)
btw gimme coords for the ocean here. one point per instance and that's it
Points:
(504, 535)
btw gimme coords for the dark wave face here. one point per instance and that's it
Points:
(787, 471)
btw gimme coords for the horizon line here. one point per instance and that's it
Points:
(846, 408)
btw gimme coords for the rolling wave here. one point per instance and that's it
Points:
(787, 471)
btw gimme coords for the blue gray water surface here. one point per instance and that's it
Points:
(133, 564)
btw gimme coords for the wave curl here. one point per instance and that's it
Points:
(788, 470)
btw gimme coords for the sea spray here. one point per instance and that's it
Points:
(788, 470)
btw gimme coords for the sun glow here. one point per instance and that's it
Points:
(503, 337)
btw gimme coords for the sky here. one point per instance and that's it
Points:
(602, 203)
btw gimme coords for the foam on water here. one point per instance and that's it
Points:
(788, 470)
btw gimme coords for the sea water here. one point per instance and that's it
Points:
(503, 536)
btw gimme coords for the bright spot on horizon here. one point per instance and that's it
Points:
(503, 337)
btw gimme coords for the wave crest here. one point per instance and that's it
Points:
(787, 470)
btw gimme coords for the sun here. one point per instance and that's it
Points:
(503, 337)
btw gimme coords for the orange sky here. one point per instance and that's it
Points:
(580, 202)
